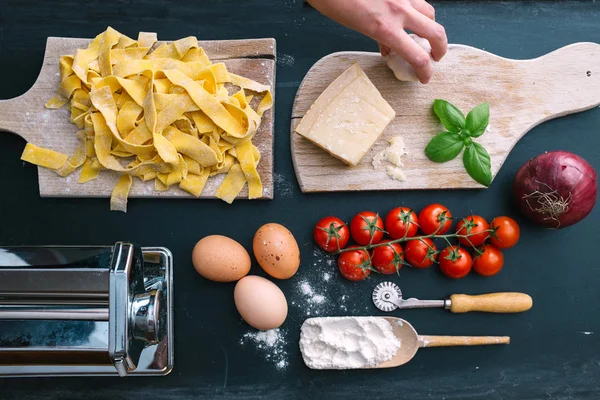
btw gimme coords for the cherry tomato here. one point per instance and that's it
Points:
(331, 234)
(355, 265)
(420, 253)
(388, 259)
(506, 232)
(401, 222)
(435, 218)
(489, 262)
(455, 262)
(474, 226)
(366, 228)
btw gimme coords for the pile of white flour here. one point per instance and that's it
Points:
(347, 342)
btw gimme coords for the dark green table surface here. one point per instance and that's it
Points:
(550, 357)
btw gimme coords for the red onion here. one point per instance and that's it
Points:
(556, 189)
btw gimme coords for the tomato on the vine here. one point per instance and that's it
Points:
(455, 262)
(420, 253)
(366, 228)
(489, 262)
(476, 227)
(506, 232)
(331, 234)
(355, 265)
(435, 219)
(401, 222)
(387, 259)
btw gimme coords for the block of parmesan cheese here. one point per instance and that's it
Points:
(348, 117)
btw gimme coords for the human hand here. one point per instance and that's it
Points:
(386, 20)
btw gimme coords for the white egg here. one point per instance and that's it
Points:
(260, 302)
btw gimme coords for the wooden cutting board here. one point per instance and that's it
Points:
(27, 117)
(521, 94)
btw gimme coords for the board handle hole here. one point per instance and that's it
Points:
(589, 73)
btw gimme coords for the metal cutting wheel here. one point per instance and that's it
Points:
(387, 296)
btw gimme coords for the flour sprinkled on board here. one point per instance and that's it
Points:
(271, 344)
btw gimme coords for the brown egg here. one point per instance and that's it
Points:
(220, 259)
(276, 251)
(260, 302)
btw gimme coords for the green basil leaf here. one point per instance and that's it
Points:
(478, 164)
(451, 117)
(478, 119)
(444, 147)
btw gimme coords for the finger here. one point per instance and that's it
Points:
(384, 50)
(424, 8)
(414, 54)
(430, 30)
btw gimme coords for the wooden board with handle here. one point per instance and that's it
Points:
(27, 117)
(521, 94)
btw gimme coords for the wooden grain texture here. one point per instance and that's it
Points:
(27, 117)
(521, 94)
(554, 348)
(491, 302)
(411, 341)
(445, 341)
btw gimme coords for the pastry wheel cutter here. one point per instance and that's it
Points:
(387, 297)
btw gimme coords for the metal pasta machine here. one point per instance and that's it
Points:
(97, 310)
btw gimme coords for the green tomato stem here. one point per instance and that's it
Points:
(406, 239)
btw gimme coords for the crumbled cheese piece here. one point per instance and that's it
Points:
(395, 152)
(395, 173)
(393, 155)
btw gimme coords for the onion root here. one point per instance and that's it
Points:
(550, 203)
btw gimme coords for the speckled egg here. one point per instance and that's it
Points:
(276, 250)
(220, 259)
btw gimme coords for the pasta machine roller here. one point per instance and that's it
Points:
(93, 310)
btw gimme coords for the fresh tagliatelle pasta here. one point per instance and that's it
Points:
(163, 113)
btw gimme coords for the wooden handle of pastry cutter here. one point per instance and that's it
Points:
(506, 302)
(444, 341)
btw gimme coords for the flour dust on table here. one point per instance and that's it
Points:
(313, 300)
(316, 292)
(271, 344)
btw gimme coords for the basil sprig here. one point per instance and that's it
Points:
(446, 146)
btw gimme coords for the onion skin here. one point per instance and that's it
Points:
(564, 176)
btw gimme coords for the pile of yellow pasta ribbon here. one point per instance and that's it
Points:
(164, 115)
